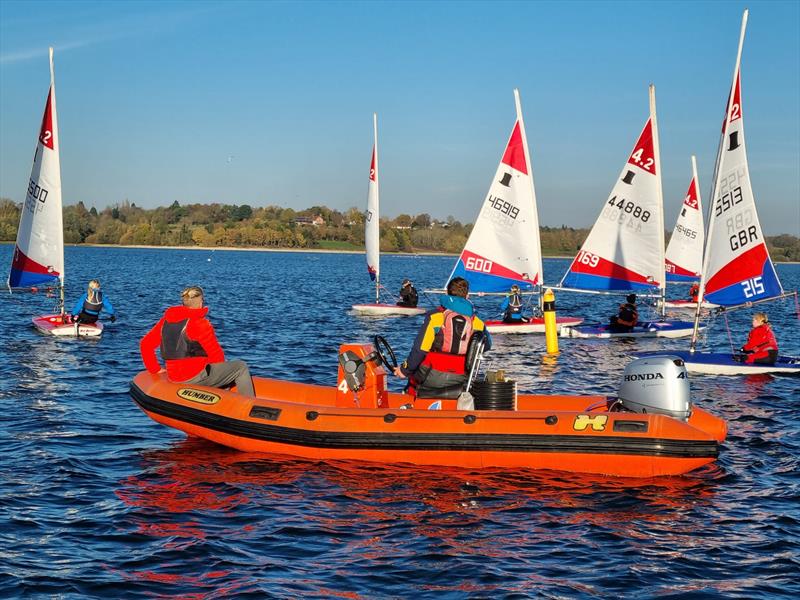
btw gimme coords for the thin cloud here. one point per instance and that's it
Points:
(150, 24)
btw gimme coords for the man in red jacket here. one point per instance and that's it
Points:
(190, 348)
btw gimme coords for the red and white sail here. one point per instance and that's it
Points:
(504, 246)
(39, 253)
(625, 248)
(737, 268)
(684, 257)
(372, 233)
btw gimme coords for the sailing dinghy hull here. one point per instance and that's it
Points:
(533, 325)
(63, 326)
(386, 310)
(718, 363)
(688, 305)
(665, 329)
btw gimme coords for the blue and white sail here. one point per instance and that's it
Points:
(504, 246)
(684, 257)
(38, 258)
(738, 268)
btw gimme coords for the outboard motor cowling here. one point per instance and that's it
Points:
(657, 384)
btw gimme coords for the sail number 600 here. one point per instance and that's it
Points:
(479, 264)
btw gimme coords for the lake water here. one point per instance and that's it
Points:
(96, 500)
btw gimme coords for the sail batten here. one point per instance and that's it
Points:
(504, 248)
(38, 257)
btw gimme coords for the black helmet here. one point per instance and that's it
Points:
(631, 298)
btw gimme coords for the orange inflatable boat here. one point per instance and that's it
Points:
(568, 433)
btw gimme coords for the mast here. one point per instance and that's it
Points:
(377, 208)
(662, 286)
(535, 230)
(58, 149)
(710, 225)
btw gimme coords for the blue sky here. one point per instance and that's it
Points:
(271, 103)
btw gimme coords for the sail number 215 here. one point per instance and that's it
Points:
(753, 287)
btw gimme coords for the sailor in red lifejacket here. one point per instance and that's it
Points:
(694, 292)
(190, 349)
(436, 366)
(761, 347)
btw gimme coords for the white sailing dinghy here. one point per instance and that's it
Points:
(372, 240)
(684, 256)
(624, 251)
(38, 260)
(737, 270)
(504, 248)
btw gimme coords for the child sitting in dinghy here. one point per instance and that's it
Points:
(512, 306)
(628, 316)
(761, 347)
(88, 307)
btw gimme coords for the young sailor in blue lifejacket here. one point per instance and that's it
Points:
(512, 306)
(436, 367)
(87, 308)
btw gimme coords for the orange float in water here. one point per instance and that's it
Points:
(567, 433)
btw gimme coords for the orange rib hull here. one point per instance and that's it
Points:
(545, 432)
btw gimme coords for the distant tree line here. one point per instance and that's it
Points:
(275, 227)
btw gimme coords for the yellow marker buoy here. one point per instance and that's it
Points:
(550, 328)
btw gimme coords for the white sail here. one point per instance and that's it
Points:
(504, 247)
(625, 248)
(738, 268)
(372, 219)
(684, 257)
(39, 253)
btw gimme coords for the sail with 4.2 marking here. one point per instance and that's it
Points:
(625, 248)
(738, 267)
(684, 257)
(372, 232)
(503, 247)
(39, 252)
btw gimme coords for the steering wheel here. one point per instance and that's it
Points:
(384, 351)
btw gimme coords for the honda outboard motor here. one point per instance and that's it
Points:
(657, 384)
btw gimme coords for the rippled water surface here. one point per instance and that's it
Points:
(96, 500)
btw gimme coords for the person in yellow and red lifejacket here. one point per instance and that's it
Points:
(626, 318)
(436, 367)
(190, 349)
